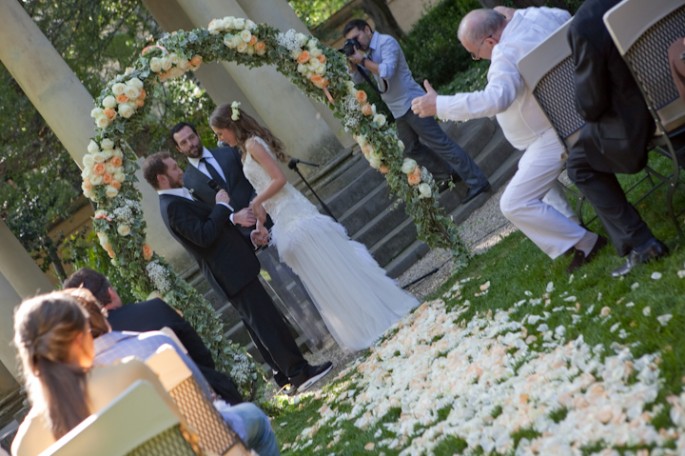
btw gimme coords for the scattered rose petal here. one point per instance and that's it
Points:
(656, 275)
(647, 311)
(664, 319)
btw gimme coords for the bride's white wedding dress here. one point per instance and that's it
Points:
(355, 298)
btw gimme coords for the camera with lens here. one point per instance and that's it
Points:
(350, 47)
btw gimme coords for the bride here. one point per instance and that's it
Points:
(355, 298)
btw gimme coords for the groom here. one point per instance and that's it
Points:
(230, 265)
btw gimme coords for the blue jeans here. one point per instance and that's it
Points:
(436, 151)
(252, 426)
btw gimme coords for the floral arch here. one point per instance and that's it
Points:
(320, 72)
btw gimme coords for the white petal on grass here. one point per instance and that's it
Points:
(647, 311)
(664, 319)
(656, 275)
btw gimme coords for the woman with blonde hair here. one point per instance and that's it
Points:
(354, 296)
(55, 344)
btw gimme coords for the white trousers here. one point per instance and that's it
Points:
(534, 203)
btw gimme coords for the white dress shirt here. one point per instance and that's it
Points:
(506, 95)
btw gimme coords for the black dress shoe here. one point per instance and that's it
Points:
(309, 376)
(579, 259)
(475, 191)
(650, 250)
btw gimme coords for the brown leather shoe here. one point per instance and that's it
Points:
(579, 258)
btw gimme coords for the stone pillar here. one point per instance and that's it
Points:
(20, 278)
(63, 102)
(287, 112)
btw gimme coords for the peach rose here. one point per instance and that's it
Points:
(384, 169)
(142, 94)
(367, 110)
(414, 178)
(122, 98)
(86, 185)
(147, 252)
(107, 178)
(140, 103)
(252, 41)
(260, 48)
(303, 57)
(319, 81)
(360, 96)
(116, 161)
(196, 60)
(321, 58)
(99, 169)
(116, 185)
(109, 113)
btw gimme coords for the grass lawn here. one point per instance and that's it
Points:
(514, 356)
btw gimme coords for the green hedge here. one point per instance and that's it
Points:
(432, 49)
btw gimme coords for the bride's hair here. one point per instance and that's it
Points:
(245, 127)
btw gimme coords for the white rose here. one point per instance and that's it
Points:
(155, 64)
(132, 92)
(301, 39)
(361, 139)
(237, 41)
(166, 64)
(227, 22)
(107, 144)
(238, 23)
(99, 157)
(424, 190)
(119, 176)
(88, 163)
(107, 154)
(228, 41)
(118, 88)
(302, 68)
(213, 26)
(250, 25)
(126, 110)
(111, 192)
(174, 58)
(117, 153)
(294, 54)
(96, 112)
(102, 121)
(109, 101)
(242, 47)
(124, 230)
(379, 120)
(250, 50)
(374, 161)
(85, 173)
(311, 44)
(246, 36)
(93, 147)
(351, 89)
(408, 165)
(135, 82)
(316, 52)
(95, 179)
(110, 168)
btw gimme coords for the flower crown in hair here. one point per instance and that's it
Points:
(235, 111)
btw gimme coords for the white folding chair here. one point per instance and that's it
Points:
(197, 409)
(643, 31)
(137, 422)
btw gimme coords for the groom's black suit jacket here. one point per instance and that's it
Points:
(225, 258)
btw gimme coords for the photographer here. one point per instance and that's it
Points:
(380, 55)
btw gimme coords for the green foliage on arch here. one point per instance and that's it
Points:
(124, 108)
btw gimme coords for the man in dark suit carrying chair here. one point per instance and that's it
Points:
(228, 262)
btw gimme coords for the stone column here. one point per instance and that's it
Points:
(20, 278)
(280, 105)
(63, 102)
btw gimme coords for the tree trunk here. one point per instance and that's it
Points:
(382, 17)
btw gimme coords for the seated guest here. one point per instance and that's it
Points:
(52, 335)
(246, 419)
(150, 316)
(615, 137)
(505, 39)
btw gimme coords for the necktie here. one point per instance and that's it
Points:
(214, 173)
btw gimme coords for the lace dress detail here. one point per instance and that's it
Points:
(356, 299)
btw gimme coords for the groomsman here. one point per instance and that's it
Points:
(229, 263)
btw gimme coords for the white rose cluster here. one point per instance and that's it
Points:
(125, 98)
(373, 156)
(102, 168)
(238, 35)
(169, 65)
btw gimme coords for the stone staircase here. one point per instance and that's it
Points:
(358, 197)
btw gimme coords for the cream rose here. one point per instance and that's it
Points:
(109, 101)
(132, 92)
(96, 112)
(424, 190)
(95, 179)
(166, 64)
(379, 120)
(124, 230)
(119, 176)
(126, 110)
(102, 121)
(107, 144)
(135, 82)
(155, 64)
(238, 22)
(408, 165)
(93, 147)
(88, 162)
(242, 47)
(246, 36)
(118, 88)
(111, 192)
(99, 157)
(250, 25)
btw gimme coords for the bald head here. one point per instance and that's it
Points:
(480, 25)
